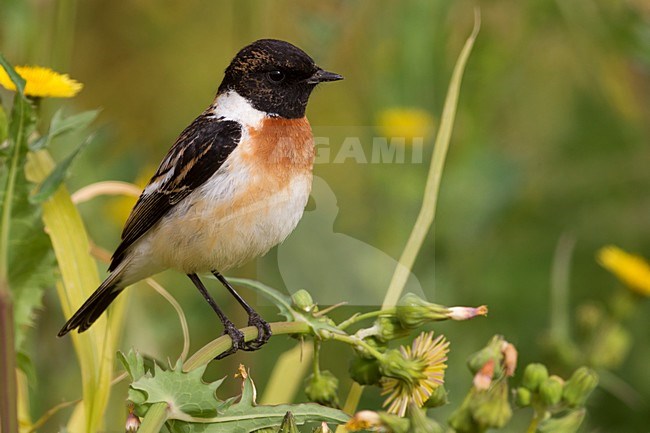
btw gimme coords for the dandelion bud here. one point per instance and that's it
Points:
(438, 398)
(550, 391)
(303, 301)
(534, 376)
(322, 388)
(576, 390)
(523, 397)
(491, 408)
(365, 371)
(390, 328)
(569, 423)
(489, 354)
(413, 312)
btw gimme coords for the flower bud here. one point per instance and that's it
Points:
(569, 423)
(523, 397)
(534, 376)
(576, 390)
(322, 388)
(438, 398)
(288, 424)
(550, 391)
(303, 301)
(365, 371)
(491, 408)
(490, 354)
(390, 328)
(413, 312)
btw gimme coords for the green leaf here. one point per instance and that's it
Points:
(184, 393)
(192, 405)
(60, 125)
(245, 416)
(13, 75)
(56, 177)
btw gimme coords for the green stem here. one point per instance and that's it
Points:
(360, 317)
(154, 419)
(216, 347)
(316, 363)
(8, 385)
(353, 341)
(7, 203)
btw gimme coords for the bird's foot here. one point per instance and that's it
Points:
(237, 338)
(263, 332)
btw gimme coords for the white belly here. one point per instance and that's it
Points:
(234, 217)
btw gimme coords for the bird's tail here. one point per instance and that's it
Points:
(94, 306)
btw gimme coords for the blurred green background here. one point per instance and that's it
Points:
(552, 137)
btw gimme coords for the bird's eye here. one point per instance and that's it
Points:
(275, 76)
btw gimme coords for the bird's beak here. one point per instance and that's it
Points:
(321, 76)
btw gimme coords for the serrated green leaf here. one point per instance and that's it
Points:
(60, 125)
(245, 416)
(184, 393)
(56, 177)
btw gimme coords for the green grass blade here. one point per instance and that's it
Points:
(95, 348)
(430, 200)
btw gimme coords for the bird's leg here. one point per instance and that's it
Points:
(254, 319)
(235, 334)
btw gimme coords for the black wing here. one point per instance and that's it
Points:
(197, 154)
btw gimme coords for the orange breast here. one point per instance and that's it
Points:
(281, 147)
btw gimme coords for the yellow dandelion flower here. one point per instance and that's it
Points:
(42, 82)
(632, 270)
(405, 122)
(421, 371)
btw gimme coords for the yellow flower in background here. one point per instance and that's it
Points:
(405, 122)
(419, 372)
(42, 82)
(632, 270)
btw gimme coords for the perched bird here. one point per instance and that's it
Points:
(233, 185)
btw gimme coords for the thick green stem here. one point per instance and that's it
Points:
(154, 419)
(8, 386)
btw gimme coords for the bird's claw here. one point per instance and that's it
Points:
(237, 338)
(263, 332)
